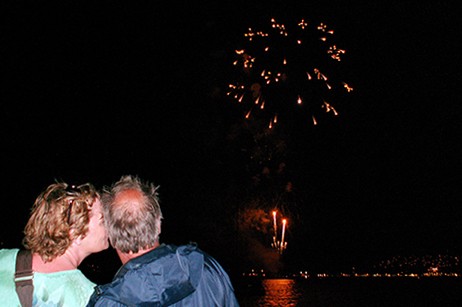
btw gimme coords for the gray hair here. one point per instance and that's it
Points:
(135, 224)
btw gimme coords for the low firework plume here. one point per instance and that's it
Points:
(254, 225)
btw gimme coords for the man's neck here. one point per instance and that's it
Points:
(126, 257)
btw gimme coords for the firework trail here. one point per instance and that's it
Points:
(279, 245)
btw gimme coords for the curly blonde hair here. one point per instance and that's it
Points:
(60, 214)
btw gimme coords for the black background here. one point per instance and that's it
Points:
(92, 91)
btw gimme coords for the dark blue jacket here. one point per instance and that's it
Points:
(168, 276)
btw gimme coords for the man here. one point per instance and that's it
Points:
(155, 274)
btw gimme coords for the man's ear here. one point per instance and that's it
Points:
(158, 227)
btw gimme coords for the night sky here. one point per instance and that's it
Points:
(94, 91)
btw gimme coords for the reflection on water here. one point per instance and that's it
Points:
(279, 292)
(350, 292)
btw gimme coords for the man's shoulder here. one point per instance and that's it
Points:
(170, 256)
(166, 274)
(166, 251)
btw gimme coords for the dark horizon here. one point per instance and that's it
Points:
(93, 93)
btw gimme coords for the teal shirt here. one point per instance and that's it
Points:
(66, 288)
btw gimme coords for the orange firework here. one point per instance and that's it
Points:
(285, 69)
(279, 245)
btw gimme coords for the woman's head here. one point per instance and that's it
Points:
(59, 215)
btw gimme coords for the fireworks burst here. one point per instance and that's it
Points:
(284, 70)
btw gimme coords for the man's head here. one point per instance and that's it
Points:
(132, 214)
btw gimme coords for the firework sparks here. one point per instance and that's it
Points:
(284, 69)
(283, 243)
(279, 245)
(275, 227)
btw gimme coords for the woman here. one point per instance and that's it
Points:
(65, 226)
